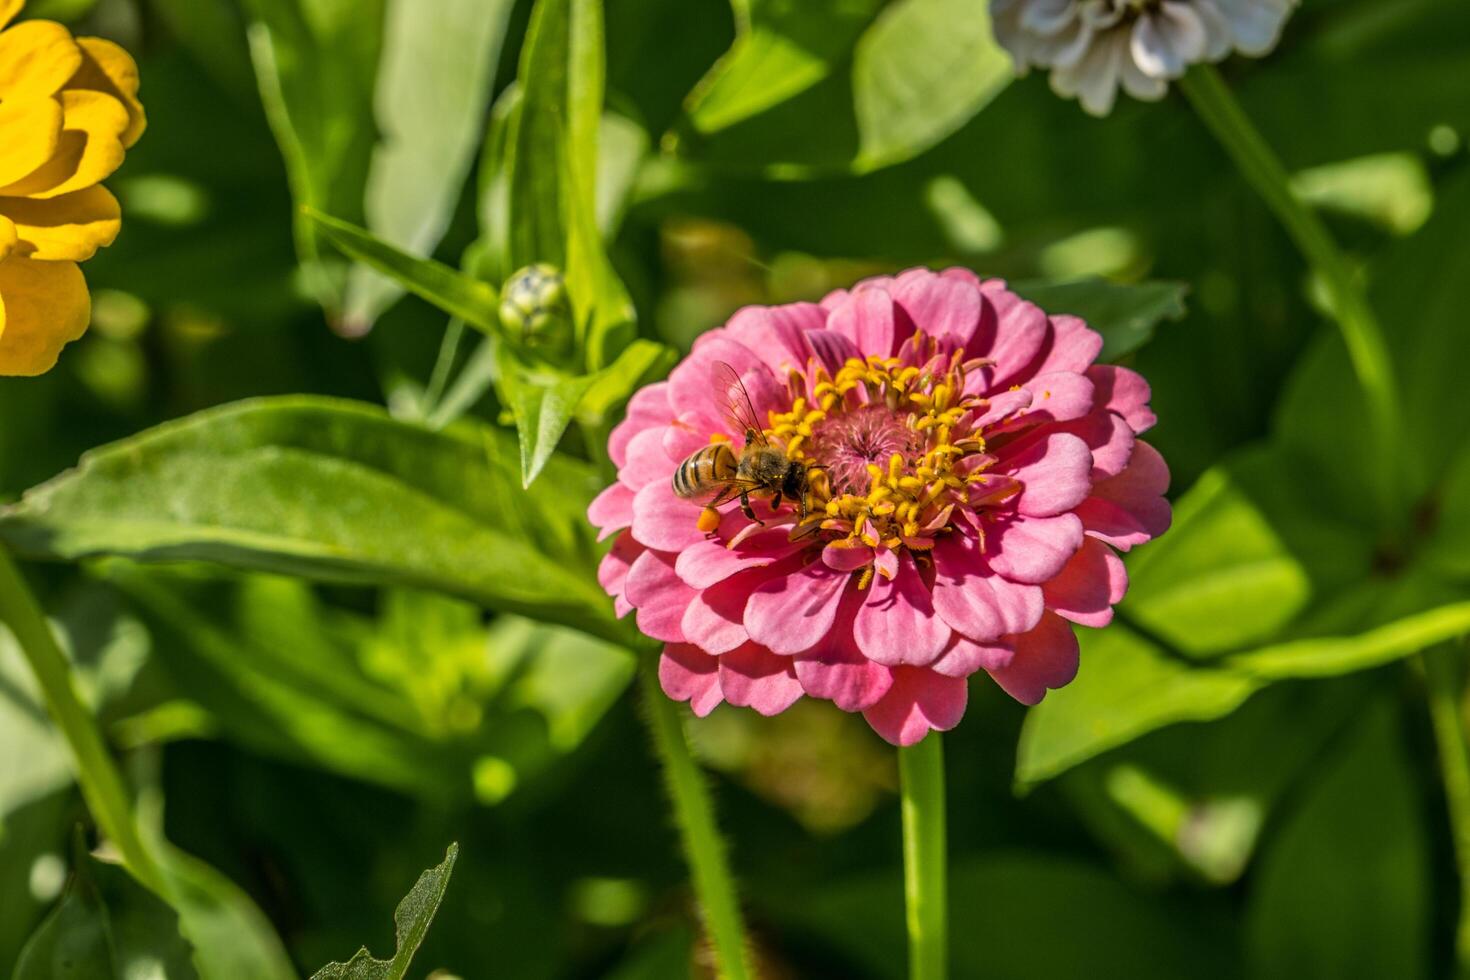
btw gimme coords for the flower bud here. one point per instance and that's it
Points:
(534, 310)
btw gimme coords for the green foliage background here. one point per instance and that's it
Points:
(329, 632)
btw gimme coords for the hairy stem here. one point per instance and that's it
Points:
(921, 777)
(694, 812)
(1366, 344)
(1444, 679)
(101, 782)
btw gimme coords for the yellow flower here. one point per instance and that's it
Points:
(69, 110)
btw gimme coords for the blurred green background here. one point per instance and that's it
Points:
(1244, 781)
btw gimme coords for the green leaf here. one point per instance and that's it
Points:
(473, 301)
(231, 936)
(107, 927)
(550, 168)
(1344, 890)
(781, 49)
(1125, 314)
(316, 63)
(411, 923)
(1321, 413)
(433, 86)
(911, 77)
(332, 490)
(1126, 688)
(544, 401)
(1242, 538)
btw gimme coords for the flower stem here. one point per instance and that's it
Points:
(1444, 679)
(1366, 344)
(102, 785)
(694, 812)
(921, 777)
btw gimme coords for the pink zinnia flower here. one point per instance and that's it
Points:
(972, 473)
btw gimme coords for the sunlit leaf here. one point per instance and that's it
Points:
(433, 85)
(1125, 314)
(473, 301)
(411, 923)
(331, 490)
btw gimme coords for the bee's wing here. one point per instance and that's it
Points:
(736, 402)
(732, 488)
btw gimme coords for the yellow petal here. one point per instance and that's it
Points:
(8, 238)
(43, 307)
(8, 10)
(67, 228)
(36, 58)
(90, 150)
(108, 68)
(30, 131)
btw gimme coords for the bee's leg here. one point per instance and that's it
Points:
(746, 509)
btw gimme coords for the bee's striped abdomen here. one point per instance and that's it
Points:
(705, 471)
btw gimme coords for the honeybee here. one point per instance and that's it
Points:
(718, 474)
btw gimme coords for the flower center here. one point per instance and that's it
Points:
(889, 448)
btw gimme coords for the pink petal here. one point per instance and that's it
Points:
(683, 438)
(1002, 406)
(753, 677)
(791, 613)
(1056, 471)
(964, 656)
(1109, 438)
(962, 274)
(1129, 509)
(919, 701)
(648, 406)
(611, 510)
(832, 348)
(777, 333)
(691, 389)
(1020, 330)
(897, 624)
(715, 617)
(847, 559)
(709, 560)
(1074, 346)
(663, 521)
(645, 460)
(1059, 396)
(1125, 392)
(1033, 549)
(940, 305)
(974, 600)
(1046, 658)
(1086, 588)
(687, 673)
(867, 320)
(658, 595)
(612, 571)
(836, 670)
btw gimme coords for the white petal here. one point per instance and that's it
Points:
(1142, 86)
(1166, 42)
(1048, 17)
(1066, 49)
(1255, 25)
(1217, 29)
(1094, 79)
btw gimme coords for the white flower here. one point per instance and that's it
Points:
(1093, 46)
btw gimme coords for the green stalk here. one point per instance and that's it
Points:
(694, 813)
(102, 785)
(921, 778)
(1444, 680)
(1366, 344)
